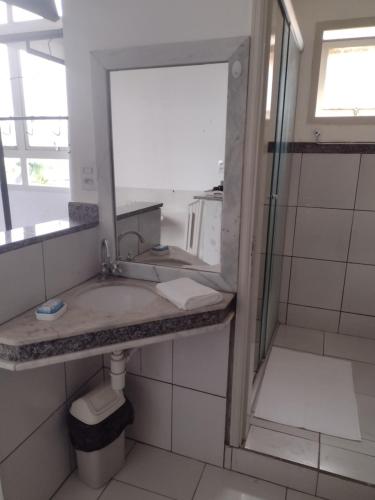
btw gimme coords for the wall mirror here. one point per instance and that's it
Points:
(170, 184)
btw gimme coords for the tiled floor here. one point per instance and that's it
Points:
(350, 459)
(153, 474)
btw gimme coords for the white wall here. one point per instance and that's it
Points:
(308, 14)
(169, 126)
(30, 206)
(94, 25)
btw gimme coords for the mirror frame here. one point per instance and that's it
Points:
(235, 52)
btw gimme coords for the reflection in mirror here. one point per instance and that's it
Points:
(169, 132)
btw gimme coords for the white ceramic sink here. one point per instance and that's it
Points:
(116, 299)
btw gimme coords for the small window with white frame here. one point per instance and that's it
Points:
(344, 72)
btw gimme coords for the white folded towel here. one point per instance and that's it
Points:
(188, 294)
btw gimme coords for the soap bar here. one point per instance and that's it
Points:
(51, 306)
(50, 310)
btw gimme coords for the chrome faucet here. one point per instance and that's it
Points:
(120, 237)
(107, 266)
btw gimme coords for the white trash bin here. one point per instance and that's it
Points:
(97, 423)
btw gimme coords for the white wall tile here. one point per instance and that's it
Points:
(27, 399)
(274, 470)
(285, 278)
(152, 401)
(362, 244)
(316, 283)
(354, 348)
(198, 427)
(311, 317)
(282, 312)
(357, 325)
(366, 184)
(359, 290)
(300, 339)
(328, 180)
(364, 446)
(150, 228)
(334, 488)
(289, 230)
(294, 179)
(366, 413)
(157, 361)
(36, 469)
(79, 371)
(201, 361)
(322, 233)
(22, 272)
(70, 260)
(364, 376)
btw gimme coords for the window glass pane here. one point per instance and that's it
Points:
(6, 102)
(59, 7)
(44, 85)
(3, 13)
(21, 15)
(52, 173)
(8, 134)
(13, 170)
(47, 133)
(349, 93)
(344, 34)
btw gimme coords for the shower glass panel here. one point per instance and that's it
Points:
(277, 188)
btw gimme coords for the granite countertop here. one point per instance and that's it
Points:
(27, 341)
(135, 208)
(29, 235)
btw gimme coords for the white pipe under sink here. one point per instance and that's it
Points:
(119, 360)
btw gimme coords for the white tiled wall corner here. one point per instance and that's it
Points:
(366, 184)
(283, 306)
(348, 347)
(27, 399)
(362, 244)
(152, 401)
(312, 317)
(300, 339)
(317, 283)
(201, 362)
(289, 230)
(37, 468)
(328, 180)
(334, 488)
(150, 228)
(285, 278)
(294, 179)
(157, 361)
(322, 233)
(22, 271)
(70, 260)
(228, 457)
(274, 470)
(357, 325)
(78, 372)
(359, 290)
(198, 426)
